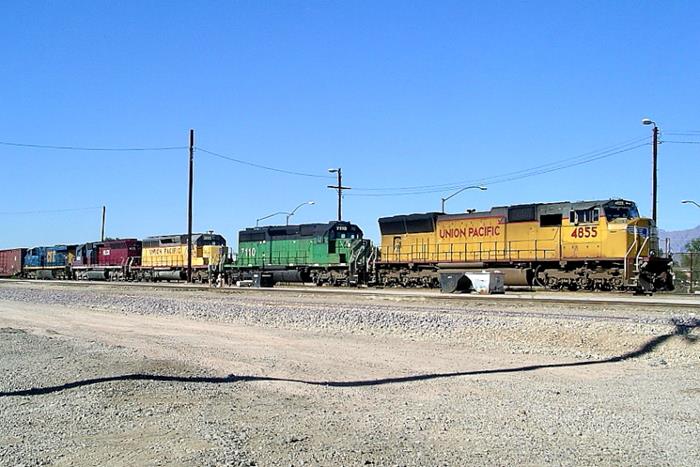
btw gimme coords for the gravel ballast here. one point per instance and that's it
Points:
(643, 409)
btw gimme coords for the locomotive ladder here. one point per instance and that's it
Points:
(637, 255)
(627, 255)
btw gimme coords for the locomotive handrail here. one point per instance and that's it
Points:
(629, 250)
(459, 254)
(639, 253)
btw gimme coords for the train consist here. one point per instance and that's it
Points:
(153, 259)
(590, 245)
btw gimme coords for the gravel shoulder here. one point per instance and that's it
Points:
(295, 380)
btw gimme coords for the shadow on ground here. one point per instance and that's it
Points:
(682, 330)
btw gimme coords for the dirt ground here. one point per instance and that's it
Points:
(106, 384)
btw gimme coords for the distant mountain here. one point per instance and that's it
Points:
(679, 238)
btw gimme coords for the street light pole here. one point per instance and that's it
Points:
(442, 204)
(690, 201)
(268, 216)
(310, 203)
(654, 157)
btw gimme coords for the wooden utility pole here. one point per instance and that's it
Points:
(104, 215)
(340, 189)
(189, 209)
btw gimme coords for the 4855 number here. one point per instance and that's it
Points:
(584, 232)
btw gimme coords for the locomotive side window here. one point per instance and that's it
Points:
(397, 244)
(550, 220)
(584, 216)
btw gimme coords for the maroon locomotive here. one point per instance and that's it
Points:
(108, 260)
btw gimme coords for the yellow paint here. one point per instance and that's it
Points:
(176, 256)
(489, 238)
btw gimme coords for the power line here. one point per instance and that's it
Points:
(83, 148)
(587, 161)
(260, 166)
(506, 178)
(457, 184)
(49, 211)
(574, 161)
(537, 170)
(680, 142)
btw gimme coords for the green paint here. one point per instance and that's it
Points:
(331, 248)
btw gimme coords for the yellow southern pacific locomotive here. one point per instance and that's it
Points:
(601, 245)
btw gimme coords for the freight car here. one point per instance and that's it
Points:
(108, 260)
(601, 245)
(12, 262)
(333, 253)
(165, 257)
(49, 262)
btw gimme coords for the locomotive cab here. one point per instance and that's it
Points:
(645, 268)
(340, 239)
(620, 210)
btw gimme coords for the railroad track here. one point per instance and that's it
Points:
(530, 297)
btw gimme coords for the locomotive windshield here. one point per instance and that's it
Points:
(350, 235)
(209, 239)
(621, 211)
(350, 232)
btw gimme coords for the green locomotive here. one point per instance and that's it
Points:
(334, 253)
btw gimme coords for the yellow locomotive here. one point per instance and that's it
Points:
(602, 245)
(165, 257)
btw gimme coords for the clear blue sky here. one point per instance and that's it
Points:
(396, 93)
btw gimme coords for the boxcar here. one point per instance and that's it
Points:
(11, 262)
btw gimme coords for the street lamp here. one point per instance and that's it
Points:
(690, 201)
(310, 203)
(482, 188)
(269, 215)
(654, 154)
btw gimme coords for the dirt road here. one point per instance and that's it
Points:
(103, 377)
